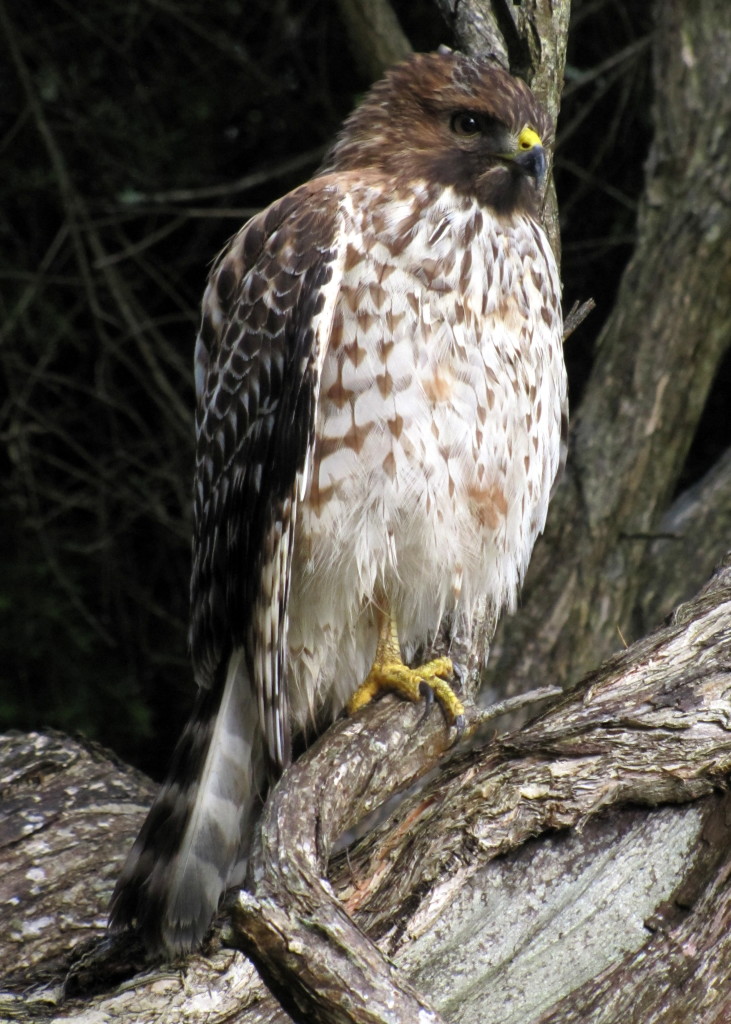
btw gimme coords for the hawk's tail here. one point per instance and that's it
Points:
(190, 843)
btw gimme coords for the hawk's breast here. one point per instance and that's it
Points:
(439, 416)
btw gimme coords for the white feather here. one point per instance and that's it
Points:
(224, 800)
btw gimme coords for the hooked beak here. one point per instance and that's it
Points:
(533, 163)
(531, 156)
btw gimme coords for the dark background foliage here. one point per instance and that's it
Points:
(137, 138)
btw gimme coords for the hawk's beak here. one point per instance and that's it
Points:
(530, 156)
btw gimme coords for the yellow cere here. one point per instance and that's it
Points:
(528, 139)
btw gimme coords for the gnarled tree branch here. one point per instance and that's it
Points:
(556, 803)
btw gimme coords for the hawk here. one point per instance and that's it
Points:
(381, 411)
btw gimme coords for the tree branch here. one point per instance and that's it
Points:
(691, 533)
(653, 726)
(377, 40)
(307, 948)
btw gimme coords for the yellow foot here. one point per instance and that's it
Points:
(389, 675)
(426, 682)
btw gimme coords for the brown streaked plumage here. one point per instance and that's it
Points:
(381, 408)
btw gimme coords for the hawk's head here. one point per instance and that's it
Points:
(457, 120)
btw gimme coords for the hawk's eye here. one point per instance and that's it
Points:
(465, 124)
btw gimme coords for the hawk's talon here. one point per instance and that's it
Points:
(427, 692)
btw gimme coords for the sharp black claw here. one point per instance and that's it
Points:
(427, 693)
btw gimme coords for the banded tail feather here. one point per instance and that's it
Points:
(191, 841)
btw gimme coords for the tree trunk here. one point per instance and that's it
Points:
(615, 526)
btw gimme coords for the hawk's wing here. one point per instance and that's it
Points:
(266, 320)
